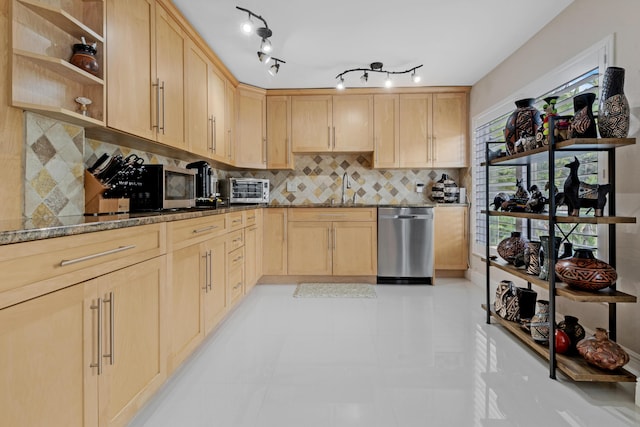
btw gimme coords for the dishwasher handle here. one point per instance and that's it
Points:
(405, 216)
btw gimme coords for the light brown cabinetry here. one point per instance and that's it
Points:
(433, 130)
(217, 88)
(332, 241)
(253, 249)
(230, 115)
(215, 283)
(235, 267)
(42, 79)
(325, 123)
(199, 129)
(86, 355)
(451, 237)
(251, 144)
(386, 133)
(279, 133)
(275, 242)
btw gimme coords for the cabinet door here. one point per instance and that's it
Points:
(251, 261)
(130, 67)
(353, 123)
(274, 261)
(230, 121)
(217, 108)
(415, 130)
(170, 59)
(450, 130)
(279, 132)
(215, 297)
(308, 248)
(354, 248)
(133, 339)
(47, 346)
(311, 123)
(451, 238)
(185, 302)
(199, 124)
(251, 146)
(386, 110)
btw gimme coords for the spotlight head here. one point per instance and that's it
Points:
(365, 78)
(273, 70)
(340, 85)
(265, 46)
(247, 26)
(263, 57)
(388, 83)
(415, 77)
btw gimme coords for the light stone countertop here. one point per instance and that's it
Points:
(27, 229)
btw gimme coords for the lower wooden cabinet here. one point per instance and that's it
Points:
(274, 253)
(451, 238)
(86, 355)
(253, 251)
(215, 294)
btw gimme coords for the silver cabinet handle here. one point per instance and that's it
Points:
(210, 263)
(376, 142)
(111, 302)
(163, 108)
(434, 141)
(285, 228)
(237, 258)
(288, 148)
(98, 364)
(334, 238)
(334, 137)
(331, 215)
(210, 120)
(214, 134)
(157, 86)
(328, 136)
(264, 150)
(229, 152)
(328, 239)
(206, 270)
(235, 221)
(203, 229)
(66, 262)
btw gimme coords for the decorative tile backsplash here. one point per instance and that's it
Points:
(57, 154)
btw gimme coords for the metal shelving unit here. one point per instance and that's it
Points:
(574, 367)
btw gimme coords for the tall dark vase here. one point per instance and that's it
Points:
(543, 255)
(613, 111)
(583, 124)
(573, 329)
(524, 121)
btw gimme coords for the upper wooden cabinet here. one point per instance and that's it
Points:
(42, 79)
(200, 127)
(230, 118)
(386, 132)
(217, 88)
(433, 130)
(252, 123)
(145, 85)
(279, 132)
(325, 123)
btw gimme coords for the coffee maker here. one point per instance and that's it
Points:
(207, 193)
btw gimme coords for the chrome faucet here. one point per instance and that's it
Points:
(345, 181)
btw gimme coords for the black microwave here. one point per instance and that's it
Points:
(164, 187)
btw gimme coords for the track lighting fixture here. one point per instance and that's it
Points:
(273, 70)
(265, 44)
(376, 67)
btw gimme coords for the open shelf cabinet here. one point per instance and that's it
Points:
(574, 367)
(43, 79)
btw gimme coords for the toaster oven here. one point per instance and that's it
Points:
(246, 190)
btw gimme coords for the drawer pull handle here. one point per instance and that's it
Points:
(237, 286)
(237, 240)
(251, 217)
(236, 221)
(203, 229)
(66, 262)
(98, 364)
(332, 215)
(237, 259)
(111, 302)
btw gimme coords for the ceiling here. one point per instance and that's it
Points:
(458, 41)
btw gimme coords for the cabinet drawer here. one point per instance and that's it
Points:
(251, 217)
(236, 259)
(236, 240)
(332, 214)
(236, 284)
(34, 268)
(190, 231)
(236, 220)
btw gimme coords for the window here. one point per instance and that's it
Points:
(503, 178)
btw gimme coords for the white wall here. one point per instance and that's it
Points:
(580, 26)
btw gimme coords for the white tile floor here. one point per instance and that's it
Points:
(414, 356)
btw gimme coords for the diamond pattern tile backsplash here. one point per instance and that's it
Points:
(57, 153)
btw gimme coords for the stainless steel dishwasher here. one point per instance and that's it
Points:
(405, 245)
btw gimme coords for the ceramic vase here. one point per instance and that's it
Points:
(613, 109)
(573, 329)
(598, 350)
(531, 260)
(543, 255)
(512, 248)
(527, 302)
(523, 122)
(583, 124)
(437, 189)
(451, 189)
(506, 303)
(84, 57)
(584, 271)
(540, 322)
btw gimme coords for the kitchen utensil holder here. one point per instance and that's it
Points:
(95, 203)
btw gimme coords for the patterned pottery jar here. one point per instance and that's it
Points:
(583, 124)
(531, 260)
(573, 329)
(506, 304)
(601, 352)
(512, 249)
(84, 57)
(540, 322)
(613, 111)
(586, 272)
(523, 122)
(543, 255)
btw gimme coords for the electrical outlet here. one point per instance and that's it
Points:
(292, 187)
